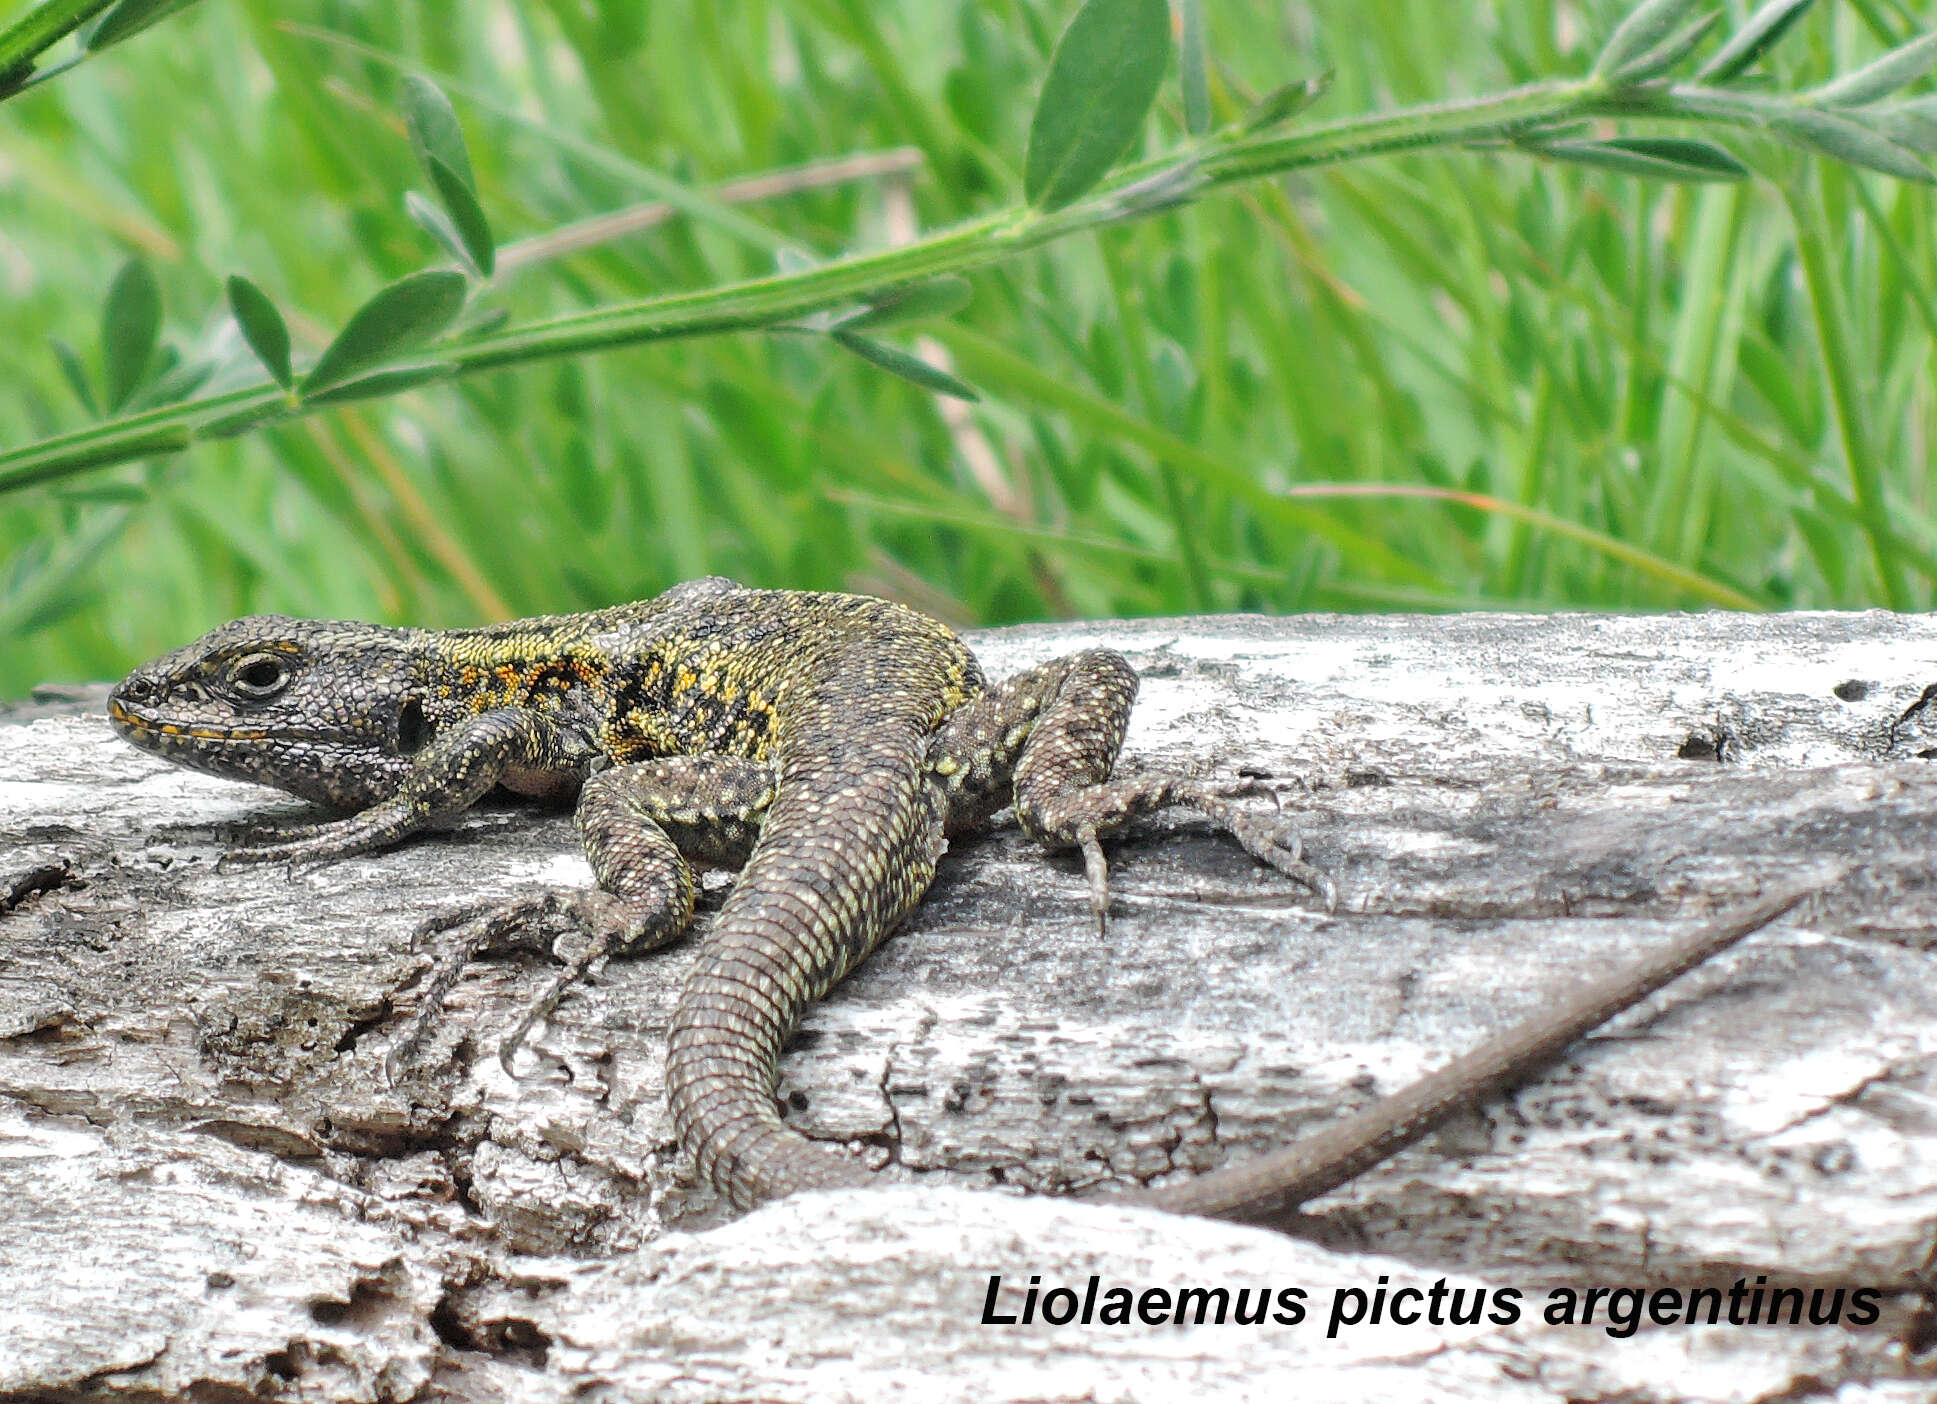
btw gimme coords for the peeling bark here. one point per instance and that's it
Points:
(212, 1189)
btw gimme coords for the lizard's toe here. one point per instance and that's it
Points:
(1274, 839)
(317, 846)
(1243, 787)
(535, 924)
(1097, 869)
(579, 927)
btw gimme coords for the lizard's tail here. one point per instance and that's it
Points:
(846, 851)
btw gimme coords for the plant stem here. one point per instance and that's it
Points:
(1162, 183)
(39, 30)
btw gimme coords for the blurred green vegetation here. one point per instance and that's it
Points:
(1260, 401)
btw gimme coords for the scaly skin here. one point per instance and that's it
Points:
(826, 743)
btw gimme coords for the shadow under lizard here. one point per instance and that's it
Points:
(827, 746)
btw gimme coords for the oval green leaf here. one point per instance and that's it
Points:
(175, 385)
(128, 19)
(130, 322)
(1665, 158)
(262, 327)
(895, 361)
(461, 204)
(1911, 124)
(433, 128)
(1648, 25)
(408, 312)
(1670, 51)
(1102, 79)
(1848, 140)
(1896, 69)
(76, 374)
(917, 302)
(434, 222)
(1283, 103)
(1753, 40)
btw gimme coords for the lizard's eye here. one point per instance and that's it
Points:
(259, 676)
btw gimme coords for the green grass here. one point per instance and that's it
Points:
(1430, 381)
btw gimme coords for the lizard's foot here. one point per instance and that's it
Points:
(1077, 819)
(313, 845)
(261, 833)
(1270, 838)
(545, 923)
(307, 847)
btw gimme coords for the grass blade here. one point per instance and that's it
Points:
(1193, 63)
(1912, 125)
(1849, 391)
(1680, 577)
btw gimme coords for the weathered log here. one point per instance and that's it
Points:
(210, 1186)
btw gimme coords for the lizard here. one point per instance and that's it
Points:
(825, 745)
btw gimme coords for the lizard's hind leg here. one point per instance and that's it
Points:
(1049, 738)
(643, 827)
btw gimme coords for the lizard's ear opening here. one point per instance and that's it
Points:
(413, 728)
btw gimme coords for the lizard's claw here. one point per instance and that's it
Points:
(234, 858)
(1245, 787)
(588, 962)
(317, 846)
(538, 925)
(1077, 817)
(1097, 868)
(298, 864)
(525, 923)
(1275, 840)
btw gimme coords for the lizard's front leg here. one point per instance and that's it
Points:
(643, 827)
(457, 769)
(1049, 738)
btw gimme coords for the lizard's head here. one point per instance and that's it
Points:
(327, 711)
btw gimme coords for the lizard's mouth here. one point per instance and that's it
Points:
(328, 770)
(133, 724)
